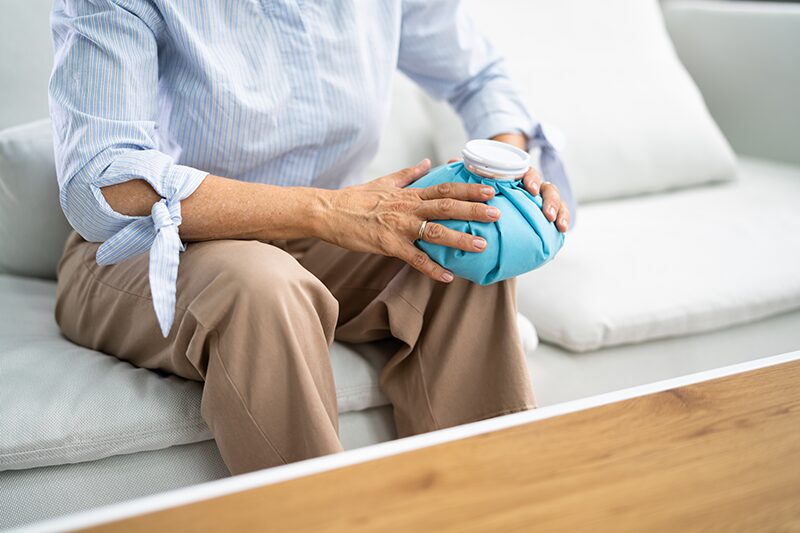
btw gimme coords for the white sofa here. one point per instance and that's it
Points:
(662, 275)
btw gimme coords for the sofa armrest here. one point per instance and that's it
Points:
(745, 57)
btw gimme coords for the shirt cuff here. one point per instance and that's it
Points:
(157, 232)
(552, 168)
(156, 168)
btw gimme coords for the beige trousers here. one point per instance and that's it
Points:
(254, 322)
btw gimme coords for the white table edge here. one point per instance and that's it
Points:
(213, 489)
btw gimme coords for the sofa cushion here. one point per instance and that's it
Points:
(673, 264)
(32, 226)
(61, 403)
(407, 137)
(604, 75)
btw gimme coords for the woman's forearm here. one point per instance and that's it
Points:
(222, 208)
(382, 216)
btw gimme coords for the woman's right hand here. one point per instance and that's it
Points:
(383, 217)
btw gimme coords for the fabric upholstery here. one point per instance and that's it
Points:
(737, 52)
(32, 226)
(37, 494)
(26, 60)
(605, 78)
(407, 137)
(673, 264)
(89, 405)
(561, 376)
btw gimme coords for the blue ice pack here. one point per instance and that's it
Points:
(520, 241)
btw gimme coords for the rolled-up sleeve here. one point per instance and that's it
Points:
(444, 51)
(104, 106)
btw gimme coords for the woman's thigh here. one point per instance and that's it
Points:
(109, 308)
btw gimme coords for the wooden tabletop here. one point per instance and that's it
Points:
(721, 455)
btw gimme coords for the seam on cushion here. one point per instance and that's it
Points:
(244, 404)
(108, 440)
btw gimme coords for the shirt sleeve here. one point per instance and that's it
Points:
(104, 106)
(443, 50)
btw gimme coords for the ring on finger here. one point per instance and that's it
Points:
(421, 232)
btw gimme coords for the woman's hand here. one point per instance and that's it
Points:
(554, 209)
(552, 206)
(382, 217)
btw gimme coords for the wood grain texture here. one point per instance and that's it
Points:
(723, 455)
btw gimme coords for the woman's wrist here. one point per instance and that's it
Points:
(314, 211)
(514, 139)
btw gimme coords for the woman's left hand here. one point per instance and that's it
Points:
(552, 206)
(554, 209)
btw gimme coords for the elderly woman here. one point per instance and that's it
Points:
(229, 137)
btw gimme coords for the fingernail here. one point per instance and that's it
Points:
(563, 222)
(447, 277)
(423, 163)
(493, 212)
(487, 191)
(479, 244)
(552, 211)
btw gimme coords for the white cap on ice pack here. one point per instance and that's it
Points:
(494, 159)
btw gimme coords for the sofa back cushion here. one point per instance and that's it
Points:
(407, 137)
(605, 74)
(32, 226)
(25, 61)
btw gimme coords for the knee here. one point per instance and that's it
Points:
(253, 281)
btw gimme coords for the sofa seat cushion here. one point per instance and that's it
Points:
(673, 264)
(61, 403)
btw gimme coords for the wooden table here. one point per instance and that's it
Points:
(716, 455)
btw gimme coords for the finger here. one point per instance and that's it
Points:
(450, 209)
(474, 192)
(532, 181)
(420, 261)
(439, 234)
(451, 161)
(551, 201)
(407, 176)
(562, 222)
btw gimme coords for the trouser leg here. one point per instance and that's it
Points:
(250, 322)
(457, 355)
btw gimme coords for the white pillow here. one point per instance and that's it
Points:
(606, 76)
(674, 264)
(32, 226)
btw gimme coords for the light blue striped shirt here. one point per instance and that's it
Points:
(275, 91)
